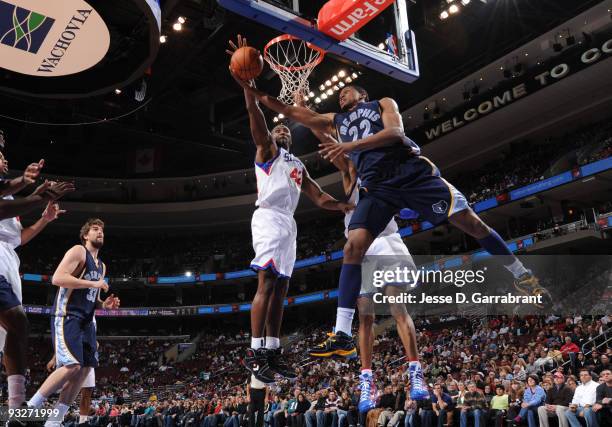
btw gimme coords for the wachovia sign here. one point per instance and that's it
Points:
(61, 48)
(535, 79)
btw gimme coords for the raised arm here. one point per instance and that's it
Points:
(46, 192)
(13, 186)
(321, 198)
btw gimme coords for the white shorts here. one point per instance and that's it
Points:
(390, 245)
(274, 241)
(90, 380)
(9, 268)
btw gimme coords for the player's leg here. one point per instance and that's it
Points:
(85, 402)
(370, 217)
(15, 323)
(68, 395)
(274, 321)
(367, 399)
(408, 336)
(256, 358)
(67, 339)
(470, 223)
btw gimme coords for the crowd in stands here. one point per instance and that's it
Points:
(490, 370)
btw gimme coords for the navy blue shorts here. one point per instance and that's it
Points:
(416, 185)
(74, 340)
(8, 299)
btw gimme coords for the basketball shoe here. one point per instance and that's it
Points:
(279, 365)
(336, 344)
(257, 363)
(418, 388)
(529, 285)
(367, 399)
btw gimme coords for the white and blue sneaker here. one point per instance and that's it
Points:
(418, 388)
(368, 392)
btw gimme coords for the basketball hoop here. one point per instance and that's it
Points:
(293, 60)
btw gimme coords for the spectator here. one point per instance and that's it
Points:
(331, 410)
(583, 401)
(474, 406)
(410, 410)
(499, 406)
(442, 405)
(569, 350)
(533, 397)
(558, 398)
(315, 417)
(603, 399)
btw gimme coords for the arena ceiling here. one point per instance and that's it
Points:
(193, 115)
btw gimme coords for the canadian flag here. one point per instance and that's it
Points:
(146, 160)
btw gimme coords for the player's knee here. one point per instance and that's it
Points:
(18, 321)
(281, 286)
(366, 319)
(354, 250)
(399, 313)
(72, 370)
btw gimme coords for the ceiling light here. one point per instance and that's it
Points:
(465, 2)
(311, 94)
(336, 88)
(329, 92)
(323, 96)
(453, 9)
(341, 73)
(305, 98)
(348, 79)
(188, 273)
(181, 20)
(341, 84)
(381, 46)
(317, 100)
(163, 39)
(328, 83)
(281, 116)
(444, 14)
(335, 79)
(322, 87)
(118, 91)
(354, 76)
(177, 26)
(275, 119)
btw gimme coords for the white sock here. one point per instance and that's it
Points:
(16, 391)
(517, 268)
(272, 343)
(37, 401)
(62, 409)
(257, 343)
(344, 320)
(83, 419)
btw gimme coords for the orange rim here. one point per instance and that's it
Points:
(285, 37)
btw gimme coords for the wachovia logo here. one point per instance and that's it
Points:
(51, 39)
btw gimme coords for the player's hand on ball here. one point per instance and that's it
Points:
(111, 303)
(101, 284)
(52, 212)
(30, 175)
(233, 47)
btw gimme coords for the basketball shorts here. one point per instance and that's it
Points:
(90, 380)
(417, 185)
(10, 282)
(8, 298)
(388, 248)
(274, 241)
(74, 340)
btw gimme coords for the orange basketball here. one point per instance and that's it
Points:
(247, 63)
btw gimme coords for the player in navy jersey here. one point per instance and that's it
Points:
(80, 278)
(393, 176)
(13, 320)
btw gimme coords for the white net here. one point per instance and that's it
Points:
(293, 60)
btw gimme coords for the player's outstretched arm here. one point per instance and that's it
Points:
(321, 198)
(46, 192)
(50, 214)
(63, 277)
(13, 186)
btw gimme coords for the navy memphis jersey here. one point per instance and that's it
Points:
(377, 164)
(80, 303)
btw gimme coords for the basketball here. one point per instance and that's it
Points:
(247, 63)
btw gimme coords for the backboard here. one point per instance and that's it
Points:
(298, 18)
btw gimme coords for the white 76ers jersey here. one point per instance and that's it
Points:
(279, 182)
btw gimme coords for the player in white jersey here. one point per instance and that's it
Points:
(13, 321)
(281, 177)
(390, 247)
